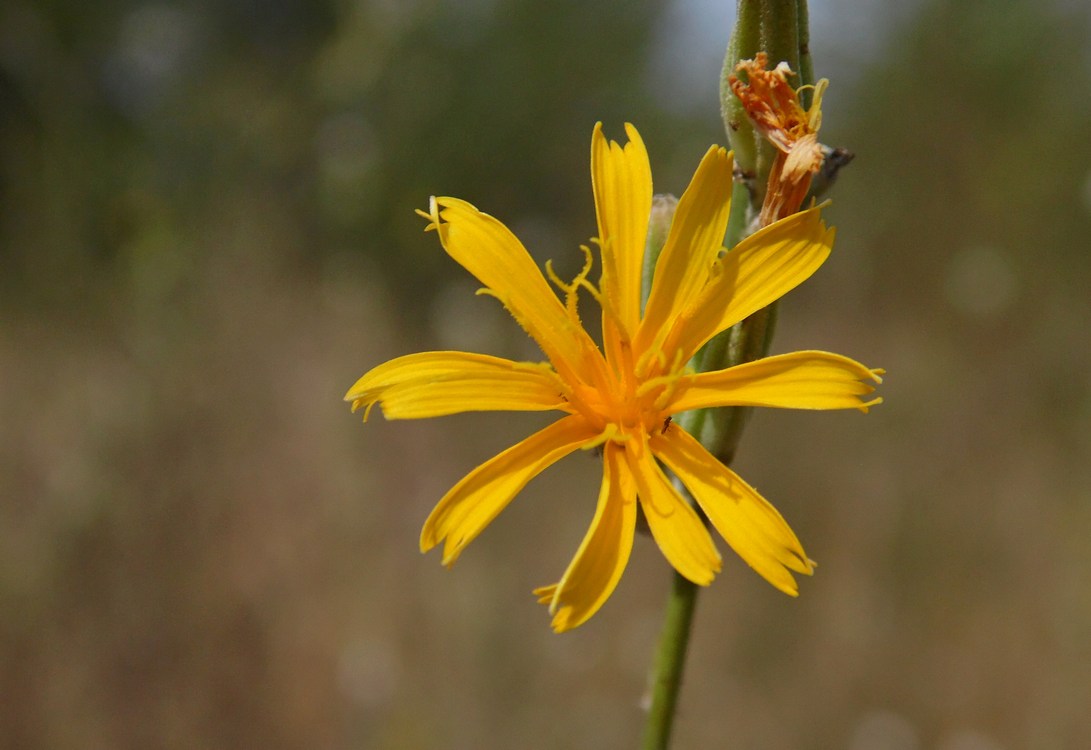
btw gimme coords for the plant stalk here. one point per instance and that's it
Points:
(778, 27)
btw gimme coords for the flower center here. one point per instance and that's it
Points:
(627, 406)
(631, 391)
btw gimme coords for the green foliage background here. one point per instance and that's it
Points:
(207, 234)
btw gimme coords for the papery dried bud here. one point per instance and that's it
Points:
(775, 110)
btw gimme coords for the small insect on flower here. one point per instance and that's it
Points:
(621, 397)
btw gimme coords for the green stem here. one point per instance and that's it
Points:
(806, 64)
(720, 429)
(778, 27)
(670, 659)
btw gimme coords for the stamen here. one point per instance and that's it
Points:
(814, 114)
(597, 242)
(674, 379)
(581, 278)
(672, 388)
(644, 363)
(571, 291)
(652, 383)
(554, 277)
(610, 433)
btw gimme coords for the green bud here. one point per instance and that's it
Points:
(659, 224)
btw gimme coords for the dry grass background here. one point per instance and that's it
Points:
(200, 547)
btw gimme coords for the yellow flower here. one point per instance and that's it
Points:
(621, 397)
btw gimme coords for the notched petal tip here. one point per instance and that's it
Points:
(361, 395)
(428, 538)
(562, 620)
(753, 528)
(562, 624)
(715, 567)
(875, 375)
(432, 214)
(785, 582)
(452, 549)
(359, 389)
(721, 153)
(866, 406)
(806, 567)
(546, 595)
(431, 537)
(792, 592)
(367, 406)
(798, 562)
(598, 140)
(632, 136)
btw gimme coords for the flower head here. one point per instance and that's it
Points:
(621, 397)
(774, 108)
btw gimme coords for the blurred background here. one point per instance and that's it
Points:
(207, 234)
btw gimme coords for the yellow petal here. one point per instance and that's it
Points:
(487, 249)
(799, 380)
(480, 496)
(693, 244)
(675, 526)
(759, 270)
(622, 181)
(604, 552)
(432, 384)
(753, 527)
(545, 593)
